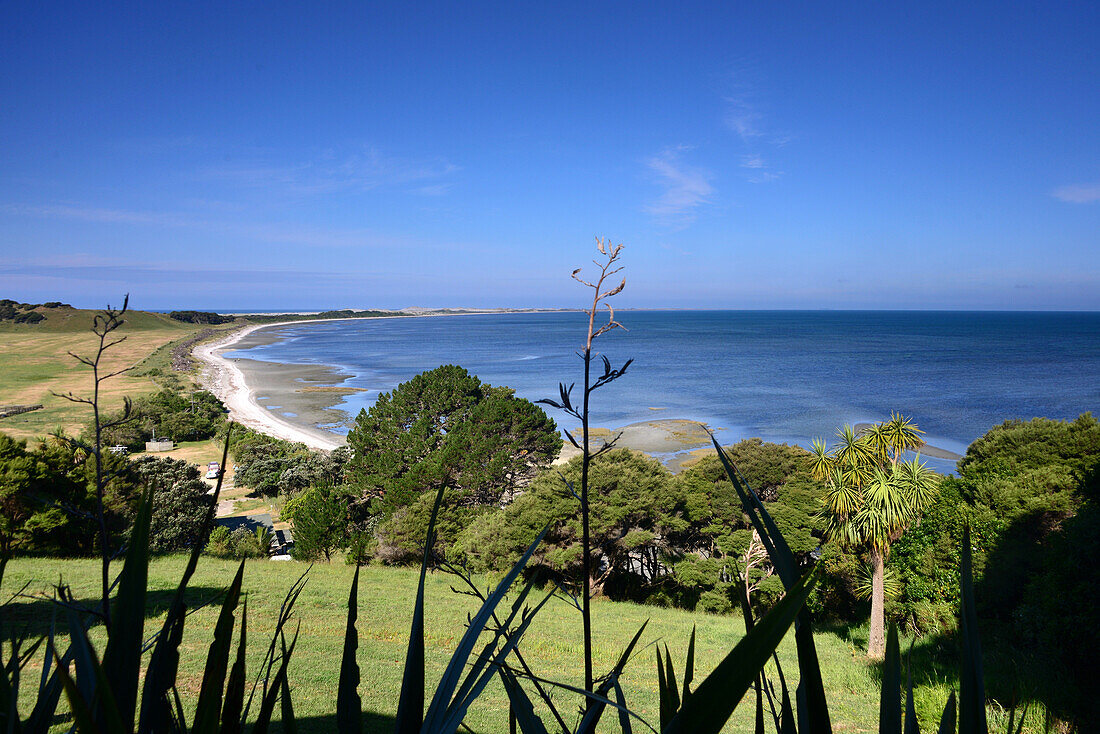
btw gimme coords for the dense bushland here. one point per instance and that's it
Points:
(201, 317)
(670, 540)
(1029, 491)
(172, 414)
(271, 466)
(26, 313)
(48, 499)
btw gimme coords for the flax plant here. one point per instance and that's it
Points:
(104, 324)
(608, 269)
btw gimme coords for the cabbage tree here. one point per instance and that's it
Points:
(872, 497)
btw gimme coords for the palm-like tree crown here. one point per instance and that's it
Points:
(902, 435)
(871, 498)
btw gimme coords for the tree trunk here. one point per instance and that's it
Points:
(876, 643)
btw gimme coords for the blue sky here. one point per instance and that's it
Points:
(749, 155)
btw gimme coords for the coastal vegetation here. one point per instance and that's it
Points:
(450, 473)
(872, 496)
(174, 415)
(200, 317)
(274, 467)
(442, 430)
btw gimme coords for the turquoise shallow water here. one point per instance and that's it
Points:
(785, 376)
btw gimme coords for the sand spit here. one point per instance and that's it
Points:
(225, 379)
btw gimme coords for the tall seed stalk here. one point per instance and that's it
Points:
(607, 270)
(104, 324)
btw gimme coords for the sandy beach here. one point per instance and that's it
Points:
(225, 379)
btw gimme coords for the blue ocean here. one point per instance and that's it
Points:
(785, 376)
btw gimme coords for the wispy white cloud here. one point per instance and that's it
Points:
(93, 214)
(333, 171)
(745, 116)
(1078, 193)
(439, 189)
(686, 187)
(765, 177)
(288, 233)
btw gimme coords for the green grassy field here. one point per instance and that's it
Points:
(386, 599)
(35, 363)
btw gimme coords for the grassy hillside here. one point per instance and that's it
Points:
(386, 598)
(34, 364)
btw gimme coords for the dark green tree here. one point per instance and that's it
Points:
(319, 519)
(28, 499)
(180, 502)
(445, 427)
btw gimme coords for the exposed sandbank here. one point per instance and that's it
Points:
(669, 439)
(226, 378)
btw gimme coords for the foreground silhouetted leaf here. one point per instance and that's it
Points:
(712, 703)
(528, 720)
(122, 657)
(947, 720)
(234, 688)
(813, 708)
(349, 707)
(156, 711)
(444, 717)
(410, 705)
(207, 709)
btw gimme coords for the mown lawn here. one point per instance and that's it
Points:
(386, 599)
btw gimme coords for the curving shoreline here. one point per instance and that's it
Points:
(227, 381)
(240, 394)
(301, 398)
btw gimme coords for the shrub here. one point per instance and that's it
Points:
(271, 466)
(240, 543)
(218, 544)
(714, 602)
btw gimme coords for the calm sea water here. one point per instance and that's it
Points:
(784, 376)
